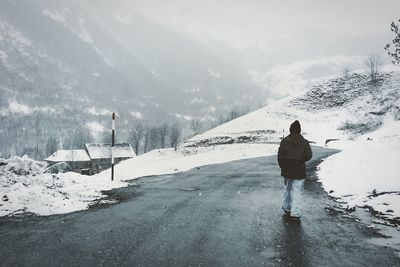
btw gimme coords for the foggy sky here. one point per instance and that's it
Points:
(308, 36)
(275, 17)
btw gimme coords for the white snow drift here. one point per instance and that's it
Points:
(25, 187)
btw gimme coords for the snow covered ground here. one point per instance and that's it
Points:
(361, 117)
(366, 172)
(25, 187)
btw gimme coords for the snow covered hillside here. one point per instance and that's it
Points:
(341, 108)
(360, 118)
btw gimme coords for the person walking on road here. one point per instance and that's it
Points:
(294, 151)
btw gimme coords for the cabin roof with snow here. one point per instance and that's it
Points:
(69, 155)
(102, 151)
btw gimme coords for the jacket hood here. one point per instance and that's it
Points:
(295, 138)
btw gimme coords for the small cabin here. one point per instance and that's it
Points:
(100, 154)
(94, 158)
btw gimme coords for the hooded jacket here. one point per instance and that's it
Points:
(293, 152)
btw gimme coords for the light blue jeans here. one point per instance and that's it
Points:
(293, 196)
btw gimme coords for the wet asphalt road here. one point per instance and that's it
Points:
(223, 215)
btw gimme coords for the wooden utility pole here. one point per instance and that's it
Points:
(112, 146)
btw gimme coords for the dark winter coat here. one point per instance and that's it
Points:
(293, 152)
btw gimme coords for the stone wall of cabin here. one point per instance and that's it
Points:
(91, 167)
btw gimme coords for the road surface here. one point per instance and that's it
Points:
(222, 215)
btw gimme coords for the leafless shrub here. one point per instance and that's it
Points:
(346, 71)
(374, 63)
(361, 126)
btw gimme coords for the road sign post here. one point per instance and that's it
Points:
(112, 146)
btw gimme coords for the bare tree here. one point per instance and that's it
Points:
(175, 135)
(374, 63)
(136, 136)
(105, 137)
(146, 140)
(346, 71)
(393, 49)
(51, 145)
(82, 136)
(154, 137)
(163, 131)
(221, 119)
(196, 125)
(233, 114)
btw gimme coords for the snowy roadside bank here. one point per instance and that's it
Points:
(366, 172)
(25, 187)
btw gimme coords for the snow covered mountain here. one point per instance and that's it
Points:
(68, 64)
(98, 49)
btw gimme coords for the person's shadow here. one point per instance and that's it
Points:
(293, 245)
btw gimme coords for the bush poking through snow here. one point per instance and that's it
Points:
(360, 126)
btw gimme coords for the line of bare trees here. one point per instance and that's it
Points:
(145, 139)
(373, 63)
(234, 113)
(40, 134)
(148, 138)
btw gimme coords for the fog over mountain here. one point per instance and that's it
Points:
(69, 64)
(285, 45)
(95, 50)
(66, 65)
